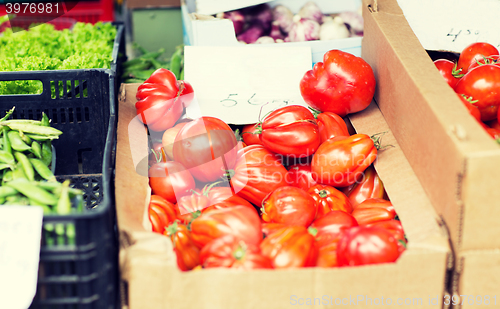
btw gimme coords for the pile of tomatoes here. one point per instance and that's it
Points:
(297, 191)
(475, 77)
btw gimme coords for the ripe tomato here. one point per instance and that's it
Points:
(239, 221)
(289, 247)
(168, 139)
(370, 186)
(342, 84)
(300, 176)
(494, 124)
(228, 251)
(331, 226)
(473, 110)
(393, 226)
(341, 161)
(250, 134)
(269, 228)
(161, 213)
(188, 255)
(207, 147)
(291, 131)
(331, 125)
(495, 133)
(447, 68)
(290, 206)
(257, 173)
(473, 52)
(373, 210)
(483, 85)
(191, 206)
(328, 199)
(367, 245)
(170, 180)
(493, 59)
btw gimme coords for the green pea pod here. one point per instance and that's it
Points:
(6, 157)
(16, 200)
(2, 200)
(64, 204)
(36, 149)
(25, 138)
(22, 121)
(56, 188)
(45, 120)
(26, 164)
(5, 139)
(175, 63)
(7, 176)
(4, 166)
(7, 191)
(42, 137)
(33, 129)
(7, 115)
(47, 153)
(46, 209)
(16, 142)
(18, 173)
(31, 191)
(42, 169)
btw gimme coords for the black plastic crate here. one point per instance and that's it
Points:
(80, 271)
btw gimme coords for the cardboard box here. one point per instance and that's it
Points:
(203, 30)
(152, 280)
(456, 161)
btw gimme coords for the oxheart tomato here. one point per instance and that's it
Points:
(257, 173)
(290, 206)
(341, 161)
(269, 228)
(188, 254)
(331, 125)
(495, 133)
(170, 180)
(161, 213)
(191, 206)
(370, 186)
(161, 100)
(291, 131)
(483, 85)
(231, 252)
(373, 210)
(393, 226)
(300, 176)
(290, 247)
(240, 221)
(207, 147)
(367, 245)
(493, 59)
(342, 84)
(473, 110)
(473, 52)
(250, 134)
(168, 139)
(447, 70)
(328, 198)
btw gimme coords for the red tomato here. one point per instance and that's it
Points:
(190, 207)
(342, 84)
(239, 221)
(473, 110)
(473, 52)
(393, 226)
(257, 173)
(168, 139)
(370, 186)
(331, 125)
(495, 133)
(228, 251)
(161, 213)
(373, 210)
(494, 124)
(447, 68)
(250, 134)
(490, 112)
(188, 254)
(291, 131)
(207, 147)
(290, 247)
(341, 161)
(328, 199)
(157, 154)
(483, 85)
(161, 100)
(367, 245)
(299, 175)
(170, 180)
(493, 59)
(290, 206)
(269, 228)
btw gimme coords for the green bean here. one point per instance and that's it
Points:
(42, 169)
(46, 209)
(16, 142)
(175, 63)
(25, 138)
(6, 157)
(36, 149)
(36, 193)
(18, 173)
(7, 115)
(47, 153)
(4, 166)
(45, 120)
(64, 204)
(6, 142)
(182, 75)
(26, 165)
(33, 129)
(147, 56)
(7, 191)
(7, 176)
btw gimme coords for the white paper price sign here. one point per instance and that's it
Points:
(20, 232)
(238, 83)
(452, 25)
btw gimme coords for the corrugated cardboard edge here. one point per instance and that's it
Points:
(152, 280)
(462, 164)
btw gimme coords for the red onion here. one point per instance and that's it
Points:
(275, 31)
(260, 14)
(252, 34)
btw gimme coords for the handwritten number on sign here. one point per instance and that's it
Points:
(455, 35)
(234, 102)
